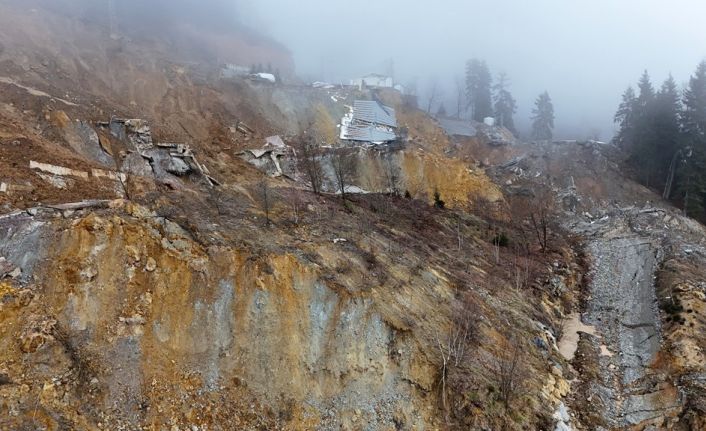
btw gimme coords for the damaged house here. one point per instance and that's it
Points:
(369, 121)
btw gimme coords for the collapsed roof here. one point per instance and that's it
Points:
(374, 113)
(369, 121)
(454, 127)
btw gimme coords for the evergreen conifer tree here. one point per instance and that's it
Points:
(505, 104)
(479, 89)
(543, 118)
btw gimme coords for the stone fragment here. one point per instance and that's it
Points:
(151, 265)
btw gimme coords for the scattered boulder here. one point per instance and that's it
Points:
(178, 167)
(151, 265)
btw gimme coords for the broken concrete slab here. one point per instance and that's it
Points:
(56, 181)
(114, 176)
(73, 206)
(243, 128)
(57, 170)
(178, 167)
(275, 141)
(275, 158)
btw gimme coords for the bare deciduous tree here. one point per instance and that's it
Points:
(297, 204)
(310, 163)
(345, 166)
(510, 371)
(536, 216)
(393, 177)
(542, 217)
(455, 348)
(435, 93)
(264, 195)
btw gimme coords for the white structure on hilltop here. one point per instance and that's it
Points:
(373, 80)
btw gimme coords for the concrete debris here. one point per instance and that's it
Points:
(276, 158)
(56, 181)
(495, 135)
(74, 206)
(182, 160)
(178, 167)
(147, 158)
(114, 176)
(275, 141)
(513, 162)
(243, 128)
(57, 170)
(136, 132)
(3, 187)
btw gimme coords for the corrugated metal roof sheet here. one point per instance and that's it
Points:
(457, 127)
(374, 112)
(369, 134)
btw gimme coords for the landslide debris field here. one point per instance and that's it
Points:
(166, 264)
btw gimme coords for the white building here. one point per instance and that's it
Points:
(374, 81)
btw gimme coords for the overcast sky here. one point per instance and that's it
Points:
(584, 52)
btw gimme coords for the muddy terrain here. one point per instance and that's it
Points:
(164, 266)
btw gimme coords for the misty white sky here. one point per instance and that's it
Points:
(584, 52)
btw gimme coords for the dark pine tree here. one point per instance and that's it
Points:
(543, 118)
(505, 104)
(691, 178)
(643, 152)
(667, 133)
(479, 89)
(625, 118)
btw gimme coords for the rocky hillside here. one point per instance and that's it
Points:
(157, 273)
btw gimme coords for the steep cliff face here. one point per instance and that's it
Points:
(129, 309)
(121, 318)
(184, 298)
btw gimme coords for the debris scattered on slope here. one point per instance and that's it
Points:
(58, 170)
(275, 158)
(147, 158)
